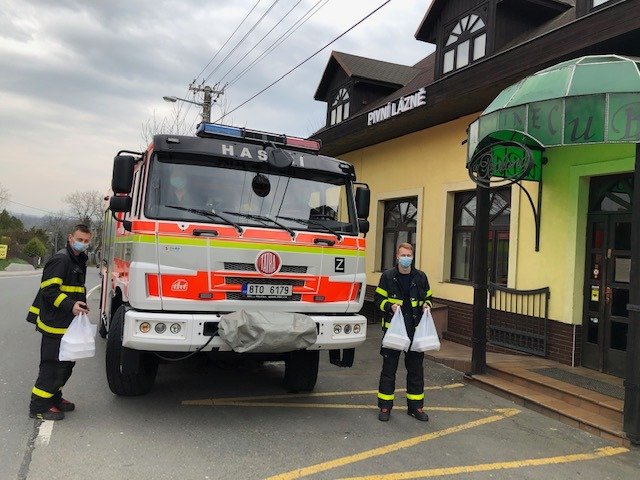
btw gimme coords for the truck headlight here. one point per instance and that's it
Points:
(175, 328)
(145, 327)
(347, 328)
(160, 328)
(356, 328)
(337, 329)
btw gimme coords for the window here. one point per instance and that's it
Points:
(400, 219)
(340, 107)
(463, 236)
(466, 43)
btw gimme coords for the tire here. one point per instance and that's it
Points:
(301, 370)
(128, 385)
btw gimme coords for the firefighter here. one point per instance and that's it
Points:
(407, 288)
(60, 298)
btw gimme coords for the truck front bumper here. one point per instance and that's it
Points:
(185, 332)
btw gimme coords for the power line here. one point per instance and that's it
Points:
(275, 2)
(308, 58)
(260, 41)
(40, 209)
(228, 39)
(281, 39)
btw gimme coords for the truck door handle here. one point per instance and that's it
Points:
(205, 233)
(607, 295)
(329, 242)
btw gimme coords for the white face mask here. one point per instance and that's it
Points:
(405, 262)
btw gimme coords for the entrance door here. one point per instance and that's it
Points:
(606, 290)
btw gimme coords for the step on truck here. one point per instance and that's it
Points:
(230, 221)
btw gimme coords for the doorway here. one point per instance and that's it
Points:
(607, 274)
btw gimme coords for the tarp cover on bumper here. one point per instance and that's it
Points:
(252, 331)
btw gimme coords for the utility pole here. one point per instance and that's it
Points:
(208, 98)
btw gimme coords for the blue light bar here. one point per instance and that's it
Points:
(217, 129)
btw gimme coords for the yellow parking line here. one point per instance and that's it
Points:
(214, 401)
(339, 462)
(226, 403)
(487, 467)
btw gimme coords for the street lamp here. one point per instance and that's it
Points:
(206, 104)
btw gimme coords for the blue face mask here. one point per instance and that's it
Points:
(405, 262)
(79, 246)
(178, 182)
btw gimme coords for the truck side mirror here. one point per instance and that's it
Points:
(363, 225)
(122, 179)
(363, 197)
(120, 204)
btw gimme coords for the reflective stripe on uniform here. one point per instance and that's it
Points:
(429, 293)
(59, 299)
(386, 324)
(414, 303)
(382, 292)
(35, 310)
(69, 289)
(413, 396)
(41, 393)
(48, 329)
(51, 281)
(384, 396)
(383, 303)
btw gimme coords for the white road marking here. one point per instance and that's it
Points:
(93, 290)
(44, 433)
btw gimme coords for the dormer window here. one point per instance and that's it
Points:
(340, 106)
(467, 43)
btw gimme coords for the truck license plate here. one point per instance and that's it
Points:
(257, 290)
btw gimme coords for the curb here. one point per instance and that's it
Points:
(21, 273)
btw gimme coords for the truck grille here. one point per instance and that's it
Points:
(296, 297)
(264, 281)
(250, 267)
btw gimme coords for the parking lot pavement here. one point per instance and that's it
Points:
(208, 419)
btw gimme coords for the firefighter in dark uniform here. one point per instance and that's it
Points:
(61, 297)
(407, 288)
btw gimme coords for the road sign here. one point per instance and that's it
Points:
(3, 251)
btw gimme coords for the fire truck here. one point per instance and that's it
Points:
(230, 220)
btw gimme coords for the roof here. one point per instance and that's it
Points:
(426, 32)
(392, 74)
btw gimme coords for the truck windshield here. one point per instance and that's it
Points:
(266, 198)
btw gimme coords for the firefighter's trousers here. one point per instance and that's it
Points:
(52, 376)
(415, 378)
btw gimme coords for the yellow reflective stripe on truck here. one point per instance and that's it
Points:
(196, 242)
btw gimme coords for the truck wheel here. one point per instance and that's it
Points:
(133, 384)
(301, 370)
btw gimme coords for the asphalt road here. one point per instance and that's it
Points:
(209, 420)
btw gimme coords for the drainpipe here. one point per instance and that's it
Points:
(481, 244)
(631, 422)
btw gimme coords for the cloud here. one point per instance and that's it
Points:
(81, 78)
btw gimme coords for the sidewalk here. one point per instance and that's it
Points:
(584, 398)
(18, 273)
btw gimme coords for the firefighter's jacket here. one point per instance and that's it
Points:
(389, 291)
(61, 287)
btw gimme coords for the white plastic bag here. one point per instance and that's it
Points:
(79, 339)
(426, 336)
(396, 337)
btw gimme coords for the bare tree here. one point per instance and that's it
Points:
(86, 206)
(4, 196)
(176, 124)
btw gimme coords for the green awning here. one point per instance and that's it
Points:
(594, 99)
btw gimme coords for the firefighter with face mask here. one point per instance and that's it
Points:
(61, 297)
(407, 288)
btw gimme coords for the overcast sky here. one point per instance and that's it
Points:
(79, 79)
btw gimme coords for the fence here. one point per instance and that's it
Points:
(518, 319)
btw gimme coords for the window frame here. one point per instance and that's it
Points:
(466, 35)
(341, 99)
(496, 234)
(388, 205)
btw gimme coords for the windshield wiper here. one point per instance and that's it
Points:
(311, 222)
(210, 214)
(263, 219)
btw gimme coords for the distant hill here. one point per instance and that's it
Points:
(29, 220)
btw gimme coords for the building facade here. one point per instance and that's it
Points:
(559, 76)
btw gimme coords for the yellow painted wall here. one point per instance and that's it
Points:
(430, 164)
(425, 164)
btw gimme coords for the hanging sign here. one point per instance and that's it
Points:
(397, 107)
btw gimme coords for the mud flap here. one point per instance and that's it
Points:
(348, 355)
